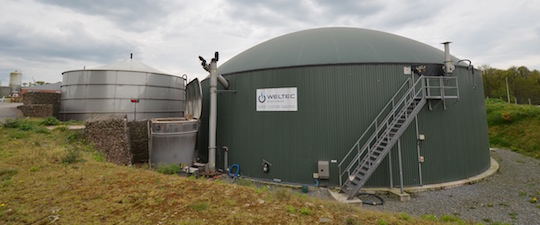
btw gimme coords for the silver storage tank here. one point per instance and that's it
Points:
(110, 89)
(172, 140)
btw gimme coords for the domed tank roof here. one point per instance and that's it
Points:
(129, 65)
(335, 45)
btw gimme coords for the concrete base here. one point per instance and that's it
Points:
(403, 197)
(342, 197)
(432, 187)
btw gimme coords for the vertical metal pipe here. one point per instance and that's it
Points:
(448, 66)
(390, 168)
(400, 167)
(226, 159)
(213, 117)
(418, 152)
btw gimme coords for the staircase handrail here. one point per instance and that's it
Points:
(379, 126)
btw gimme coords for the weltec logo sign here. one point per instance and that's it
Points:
(277, 99)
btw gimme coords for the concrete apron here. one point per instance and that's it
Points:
(405, 196)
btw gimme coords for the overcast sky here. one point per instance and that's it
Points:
(43, 38)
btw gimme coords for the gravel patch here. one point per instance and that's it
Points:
(503, 197)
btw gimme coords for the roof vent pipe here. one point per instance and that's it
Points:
(448, 67)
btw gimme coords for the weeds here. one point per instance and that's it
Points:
(282, 194)
(513, 215)
(168, 169)
(11, 123)
(7, 174)
(430, 217)
(50, 121)
(42, 130)
(201, 206)
(98, 156)
(305, 211)
(72, 155)
(449, 218)
(352, 221)
(405, 216)
(290, 209)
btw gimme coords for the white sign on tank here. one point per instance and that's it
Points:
(277, 99)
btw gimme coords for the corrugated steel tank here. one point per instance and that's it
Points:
(110, 90)
(343, 78)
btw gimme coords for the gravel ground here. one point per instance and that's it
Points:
(502, 197)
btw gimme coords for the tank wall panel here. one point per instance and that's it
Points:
(90, 92)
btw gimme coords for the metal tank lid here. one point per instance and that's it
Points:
(333, 45)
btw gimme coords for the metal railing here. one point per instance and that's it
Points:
(395, 108)
(376, 128)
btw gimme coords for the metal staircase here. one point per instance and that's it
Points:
(388, 126)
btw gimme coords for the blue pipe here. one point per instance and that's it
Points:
(237, 170)
(316, 182)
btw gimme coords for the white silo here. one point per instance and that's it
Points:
(15, 80)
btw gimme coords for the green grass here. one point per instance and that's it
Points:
(514, 127)
(168, 169)
(55, 174)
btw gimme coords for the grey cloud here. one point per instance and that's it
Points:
(128, 15)
(314, 13)
(73, 41)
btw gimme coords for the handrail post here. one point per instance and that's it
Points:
(340, 175)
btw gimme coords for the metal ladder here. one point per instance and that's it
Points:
(385, 131)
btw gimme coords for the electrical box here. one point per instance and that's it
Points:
(324, 170)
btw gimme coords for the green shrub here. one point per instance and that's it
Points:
(168, 169)
(98, 156)
(290, 209)
(25, 126)
(305, 211)
(42, 130)
(10, 123)
(49, 121)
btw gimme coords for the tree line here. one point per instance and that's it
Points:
(523, 84)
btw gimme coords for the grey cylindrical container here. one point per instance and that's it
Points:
(125, 88)
(173, 141)
(15, 80)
